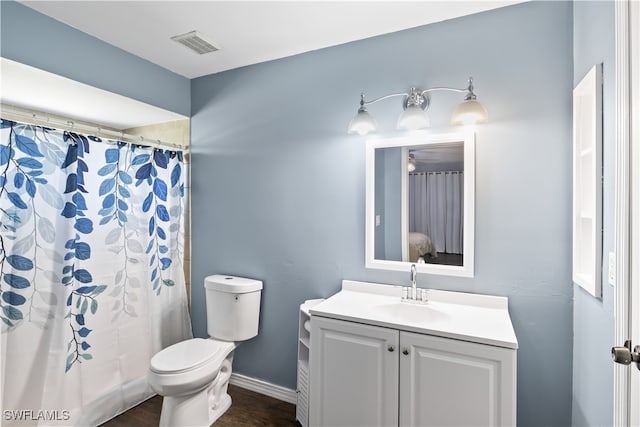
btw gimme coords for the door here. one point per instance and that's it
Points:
(446, 382)
(354, 374)
(627, 378)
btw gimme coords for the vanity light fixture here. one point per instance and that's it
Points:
(415, 105)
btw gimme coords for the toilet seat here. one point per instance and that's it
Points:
(190, 355)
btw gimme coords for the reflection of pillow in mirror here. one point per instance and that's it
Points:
(420, 245)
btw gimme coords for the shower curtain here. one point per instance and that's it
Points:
(91, 273)
(436, 208)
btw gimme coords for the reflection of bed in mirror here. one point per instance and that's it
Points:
(420, 246)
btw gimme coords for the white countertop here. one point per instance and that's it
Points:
(470, 317)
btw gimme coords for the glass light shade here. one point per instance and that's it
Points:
(469, 112)
(362, 123)
(412, 118)
(411, 165)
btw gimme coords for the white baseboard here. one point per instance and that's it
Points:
(263, 387)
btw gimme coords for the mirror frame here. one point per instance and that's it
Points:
(468, 240)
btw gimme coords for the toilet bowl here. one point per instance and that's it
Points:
(193, 375)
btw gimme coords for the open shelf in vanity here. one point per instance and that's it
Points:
(304, 341)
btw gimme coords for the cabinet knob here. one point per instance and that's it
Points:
(391, 348)
(405, 351)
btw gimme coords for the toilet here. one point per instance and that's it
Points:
(193, 375)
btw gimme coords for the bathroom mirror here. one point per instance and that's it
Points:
(420, 193)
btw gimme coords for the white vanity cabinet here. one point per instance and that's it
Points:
(354, 374)
(372, 368)
(363, 375)
(456, 383)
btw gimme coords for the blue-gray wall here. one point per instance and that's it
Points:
(593, 319)
(278, 185)
(34, 39)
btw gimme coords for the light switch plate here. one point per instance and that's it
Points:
(612, 269)
(377, 220)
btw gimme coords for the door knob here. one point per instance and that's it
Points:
(391, 348)
(624, 355)
(405, 351)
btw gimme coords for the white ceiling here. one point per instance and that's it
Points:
(247, 32)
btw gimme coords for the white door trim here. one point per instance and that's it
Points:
(622, 207)
(634, 140)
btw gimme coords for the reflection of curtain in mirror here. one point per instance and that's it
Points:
(436, 208)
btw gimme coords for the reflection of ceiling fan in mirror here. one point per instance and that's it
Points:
(411, 163)
(436, 157)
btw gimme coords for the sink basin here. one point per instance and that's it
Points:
(405, 312)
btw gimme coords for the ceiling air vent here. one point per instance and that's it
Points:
(196, 42)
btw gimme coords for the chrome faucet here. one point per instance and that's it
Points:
(412, 293)
(414, 272)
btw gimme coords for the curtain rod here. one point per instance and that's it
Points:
(40, 118)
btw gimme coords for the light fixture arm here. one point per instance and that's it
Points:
(468, 90)
(413, 98)
(443, 88)
(363, 102)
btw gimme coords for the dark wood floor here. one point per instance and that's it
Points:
(446, 259)
(248, 409)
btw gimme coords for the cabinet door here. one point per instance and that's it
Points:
(354, 374)
(445, 382)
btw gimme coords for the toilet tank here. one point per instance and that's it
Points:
(233, 307)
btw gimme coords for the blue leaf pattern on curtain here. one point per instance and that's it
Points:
(136, 204)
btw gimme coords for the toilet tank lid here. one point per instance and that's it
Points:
(232, 284)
